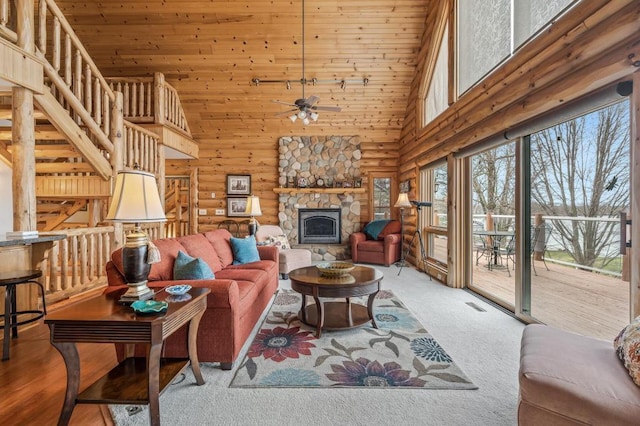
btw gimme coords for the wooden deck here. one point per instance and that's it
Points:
(580, 301)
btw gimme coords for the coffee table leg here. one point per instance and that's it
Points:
(319, 317)
(71, 359)
(303, 309)
(349, 315)
(372, 296)
(193, 348)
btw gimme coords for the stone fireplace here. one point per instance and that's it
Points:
(331, 159)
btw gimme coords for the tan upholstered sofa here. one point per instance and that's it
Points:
(568, 379)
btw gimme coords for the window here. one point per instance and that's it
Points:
(437, 100)
(382, 192)
(489, 31)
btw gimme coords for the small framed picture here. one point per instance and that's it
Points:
(357, 183)
(347, 184)
(236, 206)
(405, 185)
(238, 184)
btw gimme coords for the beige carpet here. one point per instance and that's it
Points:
(485, 345)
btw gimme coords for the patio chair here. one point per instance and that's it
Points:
(509, 252)
(482, 249)
(539, 240)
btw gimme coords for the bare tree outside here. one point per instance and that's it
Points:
(493, 181)
(580, 168)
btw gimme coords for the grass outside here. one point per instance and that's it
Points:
(614, 265)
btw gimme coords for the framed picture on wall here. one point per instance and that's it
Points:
(238, 184)
(236, 206)
(405, 185)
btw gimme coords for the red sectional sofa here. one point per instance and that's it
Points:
(239, 293)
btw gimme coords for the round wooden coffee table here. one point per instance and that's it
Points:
(336, 315)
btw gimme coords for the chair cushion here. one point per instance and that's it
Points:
(627, 346)
(576, 377)
(190, 268)
(393, 227)
(244, 250)
(371, 245)
(373, 228)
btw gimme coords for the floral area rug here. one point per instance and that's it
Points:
(400, 353)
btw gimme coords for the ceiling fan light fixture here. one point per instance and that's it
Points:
(302, 114)
(314, 116)
(305, 121)
(293, 118)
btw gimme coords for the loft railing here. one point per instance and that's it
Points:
(151, 100)
(141, 148)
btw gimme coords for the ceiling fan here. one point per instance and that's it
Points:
(305, 108)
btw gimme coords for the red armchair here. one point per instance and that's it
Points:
(384, 250)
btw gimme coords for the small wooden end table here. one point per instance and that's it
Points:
(362, 281)
(135, 380)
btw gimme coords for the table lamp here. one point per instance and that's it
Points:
(253, 209)
(403, 203)
(136, 200)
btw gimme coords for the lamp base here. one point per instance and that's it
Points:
(137, 291)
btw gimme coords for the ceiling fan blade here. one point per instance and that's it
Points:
(327, 108)
(312, 100)
(284, 103)
(287, 112)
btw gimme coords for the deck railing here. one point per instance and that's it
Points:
(608, 228)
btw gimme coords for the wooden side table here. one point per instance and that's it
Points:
(135, 380)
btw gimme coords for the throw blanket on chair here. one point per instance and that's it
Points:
(373, 228)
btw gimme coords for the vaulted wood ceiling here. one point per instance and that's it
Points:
(211, 50)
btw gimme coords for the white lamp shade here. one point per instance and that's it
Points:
(403, 200)
(253, 206)
(136, 199)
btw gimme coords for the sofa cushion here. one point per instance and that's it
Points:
(197, 245)
(627, 346)
(256, 276)
(263, 265)
(393, 227)
(244, 250)
(373, 228)
(220, 240)
(576, 377)
(191, 268)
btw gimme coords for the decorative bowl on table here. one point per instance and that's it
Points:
(147, 307)
(335, 269)
(177, 290)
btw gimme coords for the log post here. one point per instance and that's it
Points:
(158, 98)
(538, 248)
(160, 177)
(117, 157)
(23, 131)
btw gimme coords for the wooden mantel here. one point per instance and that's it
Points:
(293, 191)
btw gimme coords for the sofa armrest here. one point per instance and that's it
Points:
(268, 253)
(114, 277)
(355, 239)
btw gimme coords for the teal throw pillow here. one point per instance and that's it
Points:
(373, 228)
(244, 250)
(191, 268)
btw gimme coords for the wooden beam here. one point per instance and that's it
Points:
(65, 214)
(174, 139)
(75, 135)
(43, 132)
(23, 182)
(5, 113)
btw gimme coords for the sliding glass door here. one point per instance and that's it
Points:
(579, 177)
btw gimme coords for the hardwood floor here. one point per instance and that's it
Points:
(33, 381)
